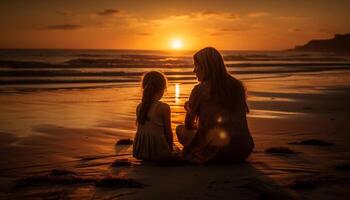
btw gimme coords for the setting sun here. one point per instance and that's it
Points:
(176, 44)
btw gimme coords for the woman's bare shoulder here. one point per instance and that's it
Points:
(201, 88)
(202, 85)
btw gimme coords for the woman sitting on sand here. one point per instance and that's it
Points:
(154, 138)
(216, 128)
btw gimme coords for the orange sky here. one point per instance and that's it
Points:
(224, 24)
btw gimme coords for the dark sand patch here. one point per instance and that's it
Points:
(65, 177)
(124, 142)
(307, 182)
(280, 150)
(174, 160)
(7, 138)
(260, 189)
(110, 181)
(50, 194)
(122, 163)
(307, 108)
(313, 142)
(59, 177)
(344, 167)
(93, 157)
(119, 195)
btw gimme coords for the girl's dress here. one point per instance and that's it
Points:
(150, 142)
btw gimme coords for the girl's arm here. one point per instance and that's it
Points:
(167, 126)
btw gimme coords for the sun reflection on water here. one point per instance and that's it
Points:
(177, 93)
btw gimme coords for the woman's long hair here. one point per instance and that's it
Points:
(228, 90)
(152, 83)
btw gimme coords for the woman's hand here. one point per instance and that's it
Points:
(190, 121)
(186, 107)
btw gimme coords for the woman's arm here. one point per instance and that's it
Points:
(190, 121)
(167, 125)
(192, 108)
(137, 112)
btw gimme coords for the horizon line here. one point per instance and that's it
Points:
(131, 49)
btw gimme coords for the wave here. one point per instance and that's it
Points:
(24, 64)
(56, 77)
(286, 56)
(40, 73)
(58, 81)
(89, 55)
(152, 57)
(298, 64)
(116, 61)
(92, 63)
(137, 55)
(123, 63)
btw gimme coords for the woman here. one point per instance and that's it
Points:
(216, 128)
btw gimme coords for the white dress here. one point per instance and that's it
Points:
(150, 142)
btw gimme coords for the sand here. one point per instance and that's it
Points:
(76, 130)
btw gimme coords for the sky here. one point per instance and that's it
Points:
(157, 24)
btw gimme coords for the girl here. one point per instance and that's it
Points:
(154, 138)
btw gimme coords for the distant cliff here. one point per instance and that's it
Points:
(339, 44)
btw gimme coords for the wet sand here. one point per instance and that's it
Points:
(76, 129)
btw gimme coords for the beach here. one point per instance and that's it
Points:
(67, 110)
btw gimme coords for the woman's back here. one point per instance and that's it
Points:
(222, 134)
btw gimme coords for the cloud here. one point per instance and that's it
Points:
(292, 18)
(108, 12)
(195, 17)
(209, 13)
(258, 14)
(215, 34)
(324, 30)
(234, 29)
(144, 34)
(295, 30)
(233, 16)
(183, 19)
(217, 15)
(65, 13)
(66, 27)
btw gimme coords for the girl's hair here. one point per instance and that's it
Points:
(152, 83)
(228, 90)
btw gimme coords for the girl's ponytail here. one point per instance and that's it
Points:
(145, 105)
(153, 82)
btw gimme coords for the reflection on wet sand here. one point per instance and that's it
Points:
(273, 114)
(177, 93)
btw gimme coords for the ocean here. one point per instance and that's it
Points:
(33, 69)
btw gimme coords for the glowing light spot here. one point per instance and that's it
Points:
(219, 120)
(218, 137)
(176, 44)
(222, 135)
(177, 92)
